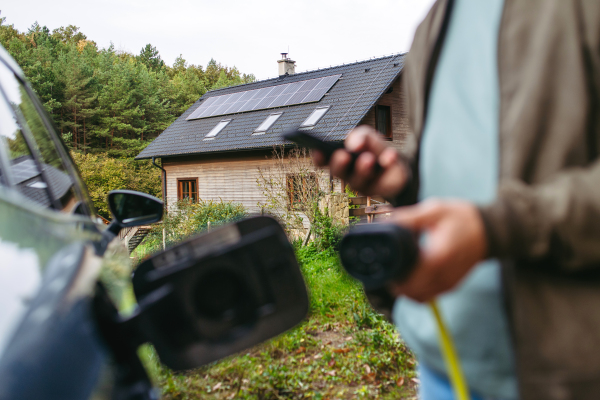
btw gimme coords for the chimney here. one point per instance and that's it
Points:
(286, 65)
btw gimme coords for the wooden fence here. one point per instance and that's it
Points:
(369, 206)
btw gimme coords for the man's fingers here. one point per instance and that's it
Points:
(339, 162)
(318, 158)
(364, 138)
(419, 216)
(388, 158)
(362, 175)
(428, 279)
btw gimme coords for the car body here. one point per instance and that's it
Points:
(50, 261)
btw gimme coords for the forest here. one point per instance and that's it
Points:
(108, 104)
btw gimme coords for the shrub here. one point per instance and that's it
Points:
(185, 219)
(326, 233)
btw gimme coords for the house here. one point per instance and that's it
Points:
(214, 150)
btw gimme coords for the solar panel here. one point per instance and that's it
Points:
(270, 97)
(199, 111)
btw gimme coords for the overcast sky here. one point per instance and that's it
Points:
(248, 34)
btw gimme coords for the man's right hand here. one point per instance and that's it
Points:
(367, 141)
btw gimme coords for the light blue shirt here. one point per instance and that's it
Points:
(459, 159)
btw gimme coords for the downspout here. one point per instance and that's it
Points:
(164, 180)
(164, 196)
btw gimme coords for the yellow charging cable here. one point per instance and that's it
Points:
(457, 378)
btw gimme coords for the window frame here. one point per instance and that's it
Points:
(71, 170)
(263, 131)
(389, 135)
(218, 128)
(179, 189)
(304, 124)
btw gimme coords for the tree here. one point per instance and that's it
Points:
(104, 100)
(150, 58)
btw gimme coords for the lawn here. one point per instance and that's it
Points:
(343, 350)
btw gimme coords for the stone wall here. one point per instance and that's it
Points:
(338, 206)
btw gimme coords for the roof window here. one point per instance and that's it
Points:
(314, 117)
(267, 123)
(218, 128)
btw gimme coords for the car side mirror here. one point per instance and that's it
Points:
(130, 208)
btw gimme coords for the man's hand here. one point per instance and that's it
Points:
(456, 241)
(368, 142)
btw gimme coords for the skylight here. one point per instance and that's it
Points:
(269, 97)
(314, 117)
(218, 128)
(267, 123)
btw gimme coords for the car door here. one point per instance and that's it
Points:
(49, 342)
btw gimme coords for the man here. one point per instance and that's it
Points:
(503, 102)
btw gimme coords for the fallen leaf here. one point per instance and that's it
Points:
(400, 381)
(302, 349)
(346, 350)
(217, 386)
(369, 377)
(331, 363)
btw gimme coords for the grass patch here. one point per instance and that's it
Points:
(343, 350)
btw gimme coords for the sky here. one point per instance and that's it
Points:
(247, 34)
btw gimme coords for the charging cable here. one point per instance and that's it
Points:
(457, 378)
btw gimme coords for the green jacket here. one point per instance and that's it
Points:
(545, 222)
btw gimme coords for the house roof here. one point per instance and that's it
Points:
(351, 97)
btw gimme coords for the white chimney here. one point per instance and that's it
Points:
(286, 65)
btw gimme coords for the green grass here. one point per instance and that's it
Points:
(343, 350)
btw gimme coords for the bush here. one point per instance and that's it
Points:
(327, 234)
(185, 219)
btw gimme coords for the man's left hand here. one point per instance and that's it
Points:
(456, 241)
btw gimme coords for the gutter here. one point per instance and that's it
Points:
(164, 180)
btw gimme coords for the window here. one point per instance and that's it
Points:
(267, 123)
(218, 128)
(300, 188)
(32, 158)
(187, 189)
(314, 117)
(383, 121)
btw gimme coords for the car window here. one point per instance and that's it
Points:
(24, 172)
(35, 163)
